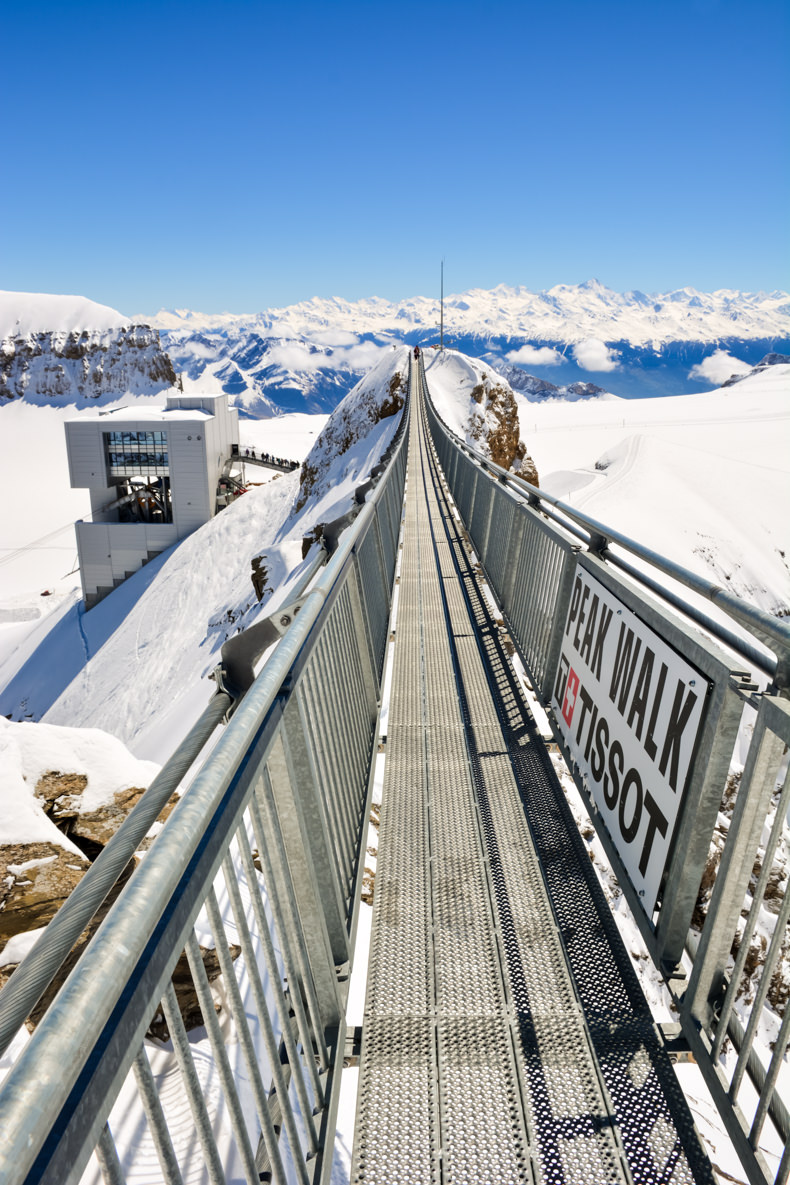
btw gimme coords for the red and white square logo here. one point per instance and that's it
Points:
(571, 692)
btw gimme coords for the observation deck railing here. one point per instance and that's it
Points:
(255, 875)
(539, 556)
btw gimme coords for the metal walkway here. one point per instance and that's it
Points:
(505, 1037)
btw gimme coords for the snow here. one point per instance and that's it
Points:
(18, 947)
(27, 752)
(23, 313)
(138, 664)
(702, 478)
(570, 313)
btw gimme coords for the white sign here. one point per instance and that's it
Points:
(630, 710)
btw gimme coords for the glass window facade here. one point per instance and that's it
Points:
(130, 453)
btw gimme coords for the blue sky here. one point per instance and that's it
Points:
(240, 156)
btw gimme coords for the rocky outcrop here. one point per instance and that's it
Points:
(380, 395)
(537, 390)
(35, 880)
(84, 366)
(772, 359)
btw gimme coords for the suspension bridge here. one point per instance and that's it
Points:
(505, 1034)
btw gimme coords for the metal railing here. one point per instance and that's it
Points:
(255, 878)
(707, 944)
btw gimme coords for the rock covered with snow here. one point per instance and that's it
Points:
(355, 437)
(536, 390)
(477, 403)
(66, 349)
(63, 791)
(771, 359)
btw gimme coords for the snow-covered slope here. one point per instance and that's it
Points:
(28, 754)
(478, 405)
(60, 350)
(137, 664)
(363, 424)
(703, 479)
(23, 313)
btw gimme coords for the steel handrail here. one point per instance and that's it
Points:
(39, 968)
(773, 633)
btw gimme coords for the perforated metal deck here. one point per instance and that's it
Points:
(478, 1063)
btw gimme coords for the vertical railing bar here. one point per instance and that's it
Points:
(307, 721)
(309, 717)
(352, 752)
(270, 1040)
(733, 876)
(107, 1156)
(206, 1001)
(363, 594)
(536, 598)
(326, 709)
(555, 564)
(365, 694)
(784, 1168)
(520, 605)
(751, 922)
(289, 959)
(530, 610)
(771, 1077)
(291, 917)
(353, 691)
(239, 1015)
(156, 1118)
(197, 1103)
(281, 1001)
(772, 955)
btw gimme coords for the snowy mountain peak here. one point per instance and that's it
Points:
(23, 313)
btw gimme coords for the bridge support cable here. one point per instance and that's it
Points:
(478, 1062)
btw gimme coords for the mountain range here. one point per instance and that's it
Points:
(569, 342)
(301, 358)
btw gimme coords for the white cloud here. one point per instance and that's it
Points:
(297, 356)
(595, 355)
(333, 337)
(535, 356)
(718, 367)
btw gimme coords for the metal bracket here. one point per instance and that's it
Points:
(598, 545)
(676, 1044)
(235, 674)
(353, 1046)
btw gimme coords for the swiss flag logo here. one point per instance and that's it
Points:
(571, 692)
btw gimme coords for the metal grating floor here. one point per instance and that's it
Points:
(478, 1063)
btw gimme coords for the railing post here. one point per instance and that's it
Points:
(313, 827)
(286, 801)
(561, 604)
(751, 807)
(703, 800)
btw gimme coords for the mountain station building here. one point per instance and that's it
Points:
(155, 475)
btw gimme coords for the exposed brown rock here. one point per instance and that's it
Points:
(51, 785)
(186, 992)
(62, 794)
(30, 897)
(259, 576)
(395, 399)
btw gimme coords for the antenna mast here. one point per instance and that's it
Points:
(441, 312)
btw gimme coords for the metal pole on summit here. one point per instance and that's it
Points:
(441, 312)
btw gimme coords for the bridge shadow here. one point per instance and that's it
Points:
(71, 642)
(653, 1119)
